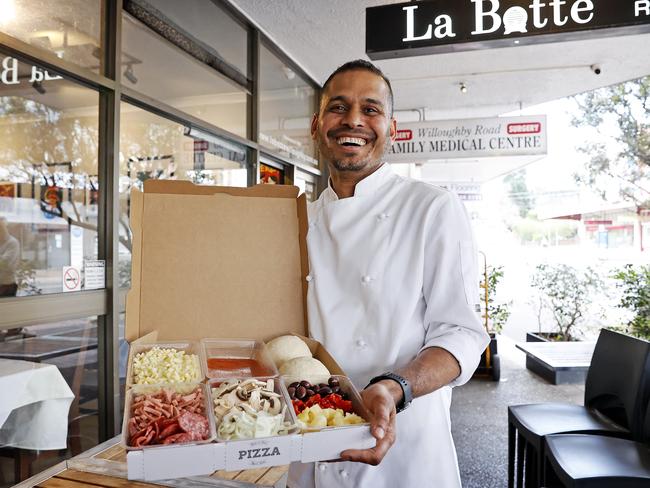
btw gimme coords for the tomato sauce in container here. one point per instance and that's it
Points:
(237, 358)
(237, 367)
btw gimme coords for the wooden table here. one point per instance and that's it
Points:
(105, 466)
(559, 362)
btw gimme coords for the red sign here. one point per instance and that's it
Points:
(404, 135)
(525, 128)
(71, 279)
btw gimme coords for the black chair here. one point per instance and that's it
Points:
(616, 393)
(595, 461)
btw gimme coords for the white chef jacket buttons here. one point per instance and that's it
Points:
(366, 279)
(383, 216)
(361, 343)
(322, 467)
(309, 278)
(343, 473)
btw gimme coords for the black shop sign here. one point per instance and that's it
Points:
(428, 27)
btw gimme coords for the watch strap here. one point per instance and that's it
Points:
(407, 396)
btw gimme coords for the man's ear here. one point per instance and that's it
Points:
(314, 126)
(393, 130)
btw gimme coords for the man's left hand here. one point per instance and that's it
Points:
(380, 403)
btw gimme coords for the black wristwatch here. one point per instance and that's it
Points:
(403, 382)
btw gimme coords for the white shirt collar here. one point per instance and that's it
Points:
(366, 186)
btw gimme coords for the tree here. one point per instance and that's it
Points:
(621, 155)
(567, 293)
(635, 284)
(519, 193)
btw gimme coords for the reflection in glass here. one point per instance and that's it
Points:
(287, 103)
(71, 347)
(206, 23)
(48, 181)
(68, 28)
(160, 70)
(152, 147)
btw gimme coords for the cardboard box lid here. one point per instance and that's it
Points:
(217, 261)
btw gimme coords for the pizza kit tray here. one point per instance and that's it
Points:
(201, 256)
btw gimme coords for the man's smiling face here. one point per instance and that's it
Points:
(354, 126)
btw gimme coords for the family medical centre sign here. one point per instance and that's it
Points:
(469, 138)
(429, 27)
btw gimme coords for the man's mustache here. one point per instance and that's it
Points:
(335, 133)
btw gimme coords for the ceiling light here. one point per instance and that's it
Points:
(38, 86)
(130, 75)
(463, 87)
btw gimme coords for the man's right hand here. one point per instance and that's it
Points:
(380, 400)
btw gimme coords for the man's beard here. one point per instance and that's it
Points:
(368, 162)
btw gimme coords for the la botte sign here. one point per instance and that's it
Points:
(428, 27)
(469, 138)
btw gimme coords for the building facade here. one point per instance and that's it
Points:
(97, 96)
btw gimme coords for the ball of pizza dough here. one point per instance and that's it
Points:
(285, 348)
(305, 368)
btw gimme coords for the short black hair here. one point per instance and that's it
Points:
(363, 65)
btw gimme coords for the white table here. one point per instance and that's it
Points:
(34, 405)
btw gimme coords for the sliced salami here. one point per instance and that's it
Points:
(194, 424)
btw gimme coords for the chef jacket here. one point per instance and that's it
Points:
(392, 272)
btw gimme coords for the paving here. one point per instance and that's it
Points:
(480, 417)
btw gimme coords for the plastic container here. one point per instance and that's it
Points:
(189, 347)
(237, 358)
(185, 389)
(278, 387)
(347, 387)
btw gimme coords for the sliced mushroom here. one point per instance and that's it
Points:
(275, 406)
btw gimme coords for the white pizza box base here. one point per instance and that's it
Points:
(183, 460)
(201, 255)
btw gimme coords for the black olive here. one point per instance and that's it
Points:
(301, 391)
(324, 391)
(333, 382)
(292, 392)
(336, 389)
(295, 384)
(310, 393)
(322, 385)
(305, 383)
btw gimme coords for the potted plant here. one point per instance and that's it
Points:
(567, 293)
(495, 316)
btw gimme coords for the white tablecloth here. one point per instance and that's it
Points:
(34, 405)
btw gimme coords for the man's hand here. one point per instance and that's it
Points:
(380, 400)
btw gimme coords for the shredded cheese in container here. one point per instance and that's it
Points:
(165, 365)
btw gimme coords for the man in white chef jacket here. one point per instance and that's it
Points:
(392, 291)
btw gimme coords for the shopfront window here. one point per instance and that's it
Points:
(207, 24)
(152, 147)
(55, 416)
(68, 28)
(307, 184)
(49, 189)
(287, 103)
(156, 68)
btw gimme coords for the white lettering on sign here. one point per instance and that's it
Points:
(410, 26)
(641, 5)
(480, 13)
(536, 7)
(9, 69)
(443, 22)
(469, 138)
(488, 20)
